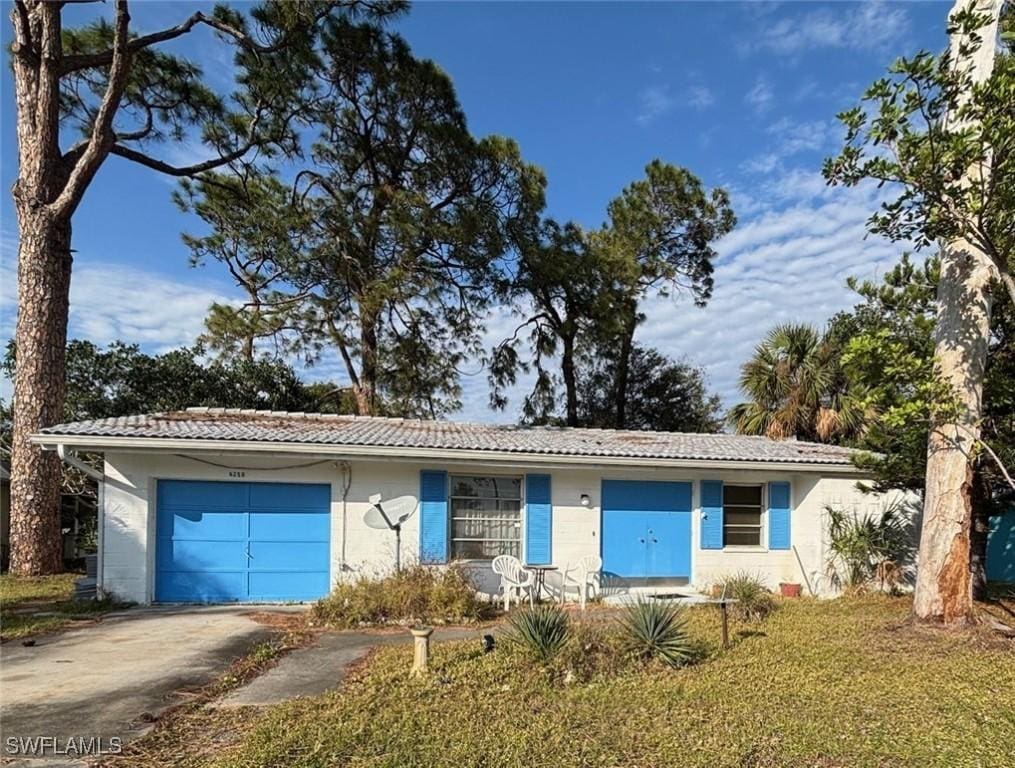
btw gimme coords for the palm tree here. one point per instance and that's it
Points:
(796, 388)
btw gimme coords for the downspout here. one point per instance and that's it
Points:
(346, 469)
(71, 459)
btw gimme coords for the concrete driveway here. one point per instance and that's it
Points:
(104, 681)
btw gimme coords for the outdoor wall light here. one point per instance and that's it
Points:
(585, 500)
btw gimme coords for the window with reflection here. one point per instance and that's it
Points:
(486, 516)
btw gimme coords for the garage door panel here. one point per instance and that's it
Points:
(203, 587)
(204, 495)
(289, 526)
(282, 496)
(221, 541)
(285, 585)
(202, 555)
(202, 525)
(289, 555)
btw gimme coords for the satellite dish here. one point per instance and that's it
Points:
(389, 516)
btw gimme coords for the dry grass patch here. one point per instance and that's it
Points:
(817, 684)
(418, 594)
(34, 605)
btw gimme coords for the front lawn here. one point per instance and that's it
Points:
(31, 605)
(836, 683)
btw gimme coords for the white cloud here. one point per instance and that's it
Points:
(656, 100)
(807, 136)
(868, 26)
(700, 97)
(760, 96)
(114, 301)
(111, 302)
(653, 101)
(765, 163)
(788, 261)
(789, 138)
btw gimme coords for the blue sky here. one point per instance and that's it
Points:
(744, 95)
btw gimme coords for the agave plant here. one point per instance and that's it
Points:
(751, 600)
(542, 630)
(653, 629)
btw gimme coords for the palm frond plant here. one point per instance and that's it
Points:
(796, 388)
(868, 548)
(653, 629)
(541, 631)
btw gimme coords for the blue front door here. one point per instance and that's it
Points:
(646, 529)
(228, 542)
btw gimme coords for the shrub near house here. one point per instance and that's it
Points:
(413, 595)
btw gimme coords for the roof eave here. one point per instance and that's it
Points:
(401, 453)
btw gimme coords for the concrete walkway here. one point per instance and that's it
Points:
(107, 680)
(317, 668)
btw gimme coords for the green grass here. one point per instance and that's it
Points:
(33, 605)
(837, 683)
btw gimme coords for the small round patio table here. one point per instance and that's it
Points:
(540, 573)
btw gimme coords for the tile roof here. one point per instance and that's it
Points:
(226, 424)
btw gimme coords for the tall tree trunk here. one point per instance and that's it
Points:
(943, 584)
(44, 269)
(624, 368)
(570, 380)
(366, 389)
(44, 263)
(943, 579)
(254, 327)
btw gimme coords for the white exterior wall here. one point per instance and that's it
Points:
(128, 515)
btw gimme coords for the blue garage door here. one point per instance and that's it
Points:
(227, 542)
(647, 529)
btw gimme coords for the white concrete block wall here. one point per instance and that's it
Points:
(128, 533)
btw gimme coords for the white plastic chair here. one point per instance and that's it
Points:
(583, 576)
(513, 578)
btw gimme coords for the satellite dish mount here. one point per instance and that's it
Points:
(390, 515)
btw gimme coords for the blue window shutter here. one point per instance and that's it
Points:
(433, 516)
(711, 514)
(778, 515)
(538, 519)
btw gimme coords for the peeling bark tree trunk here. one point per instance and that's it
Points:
(943, 585)
(943, 579)
(44, 269)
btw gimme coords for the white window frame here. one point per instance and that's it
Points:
(451, 515)
(762, 545)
